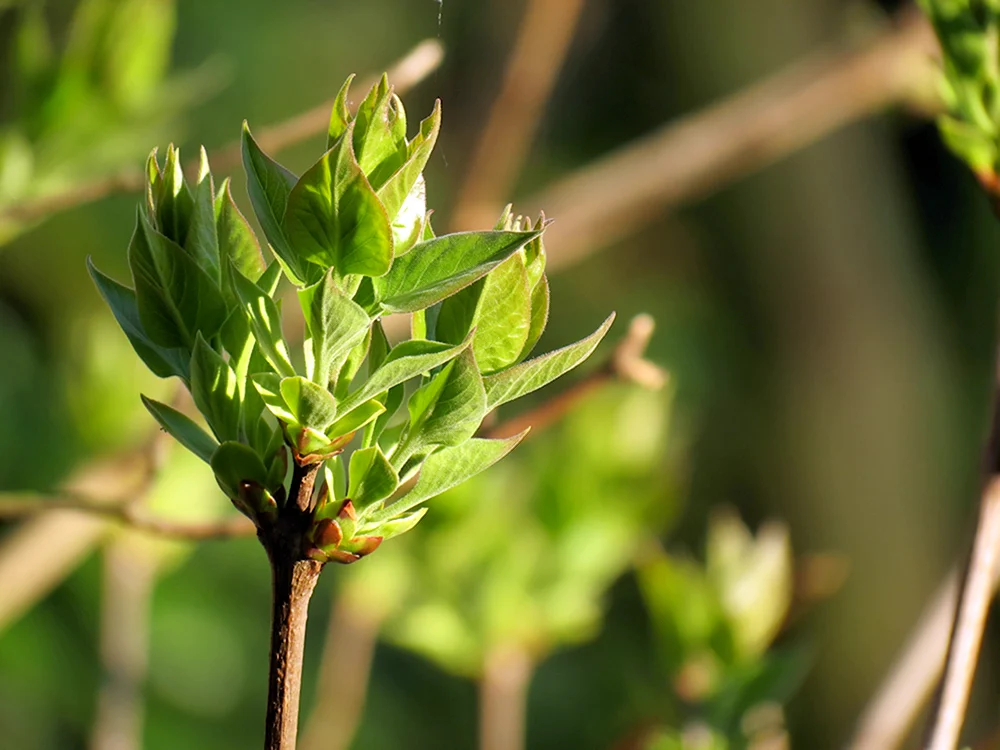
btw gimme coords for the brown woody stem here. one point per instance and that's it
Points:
(294, 578)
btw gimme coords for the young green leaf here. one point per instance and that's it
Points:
(269, 185)
(340, 118)
(399, 187)
(202, 239)
(438, 268)
(357, 418)
(162, 361)
(395, 527)
(176, 298)
(498, 306)
(448, 409)
(447, 468)
(215, 391)
(183, 428)
(312, 405)
(380, 133)
(265, 322)
(529, 376)
(406, 360)
(335, 324)
(172, 199)
(333, 217)
(372, 478)
(237, 245)
(268, 386)
(539, 316)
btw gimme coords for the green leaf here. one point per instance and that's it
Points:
(447, 468)
(539, 315)
(265, 322)
(268, 385)
(408, 226)
(372, 478)
(448, 409)
(335, 324)
(356, 419)
(393, 399)
(529, 376)
(399, 187)
(183, 428)
(498, 306)
(215, 391)
(173, 199)
(311, 405)
(234, 463)
(438, 268)
(176, 298)
(406, 360)
(352, 365)
(340, 118)
(163, 361)
(202, 239)
(395, 527)
(380, 133)
(269, 185)
(237, 245)
(335, 219)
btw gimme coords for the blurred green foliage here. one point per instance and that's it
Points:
(85, 101)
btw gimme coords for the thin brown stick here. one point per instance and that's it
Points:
(129, 577)
(626, 363)
(17, 505)
(543, 39)
(503, 698)
(612, 197)
(970, 622)
(345, 669)
(908, 686)
(414, 67)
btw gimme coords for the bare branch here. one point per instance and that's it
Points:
(420, 62)
(15, 505)
(888, 718)
(543, 40)
(612, 197)
(626, 363)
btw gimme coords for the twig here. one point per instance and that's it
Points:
(415, 66)
(16, 505)
(345, 669)
(626, 363)
(543, 40)
(503, 698)
(973, 609)
(129, 577)
(612, 197)
(892, 712)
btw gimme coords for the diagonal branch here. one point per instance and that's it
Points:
(698, 154)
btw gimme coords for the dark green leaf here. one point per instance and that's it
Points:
(202, 239)
(447, 468)
(234, 463)
(265, 322)
(237, 245)
(186, 432)
(215, 391)
(269, 185)
(405, 361)
(438, 268)
(163, 362)
(448, 409)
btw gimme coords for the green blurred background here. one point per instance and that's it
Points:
(828, 324)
